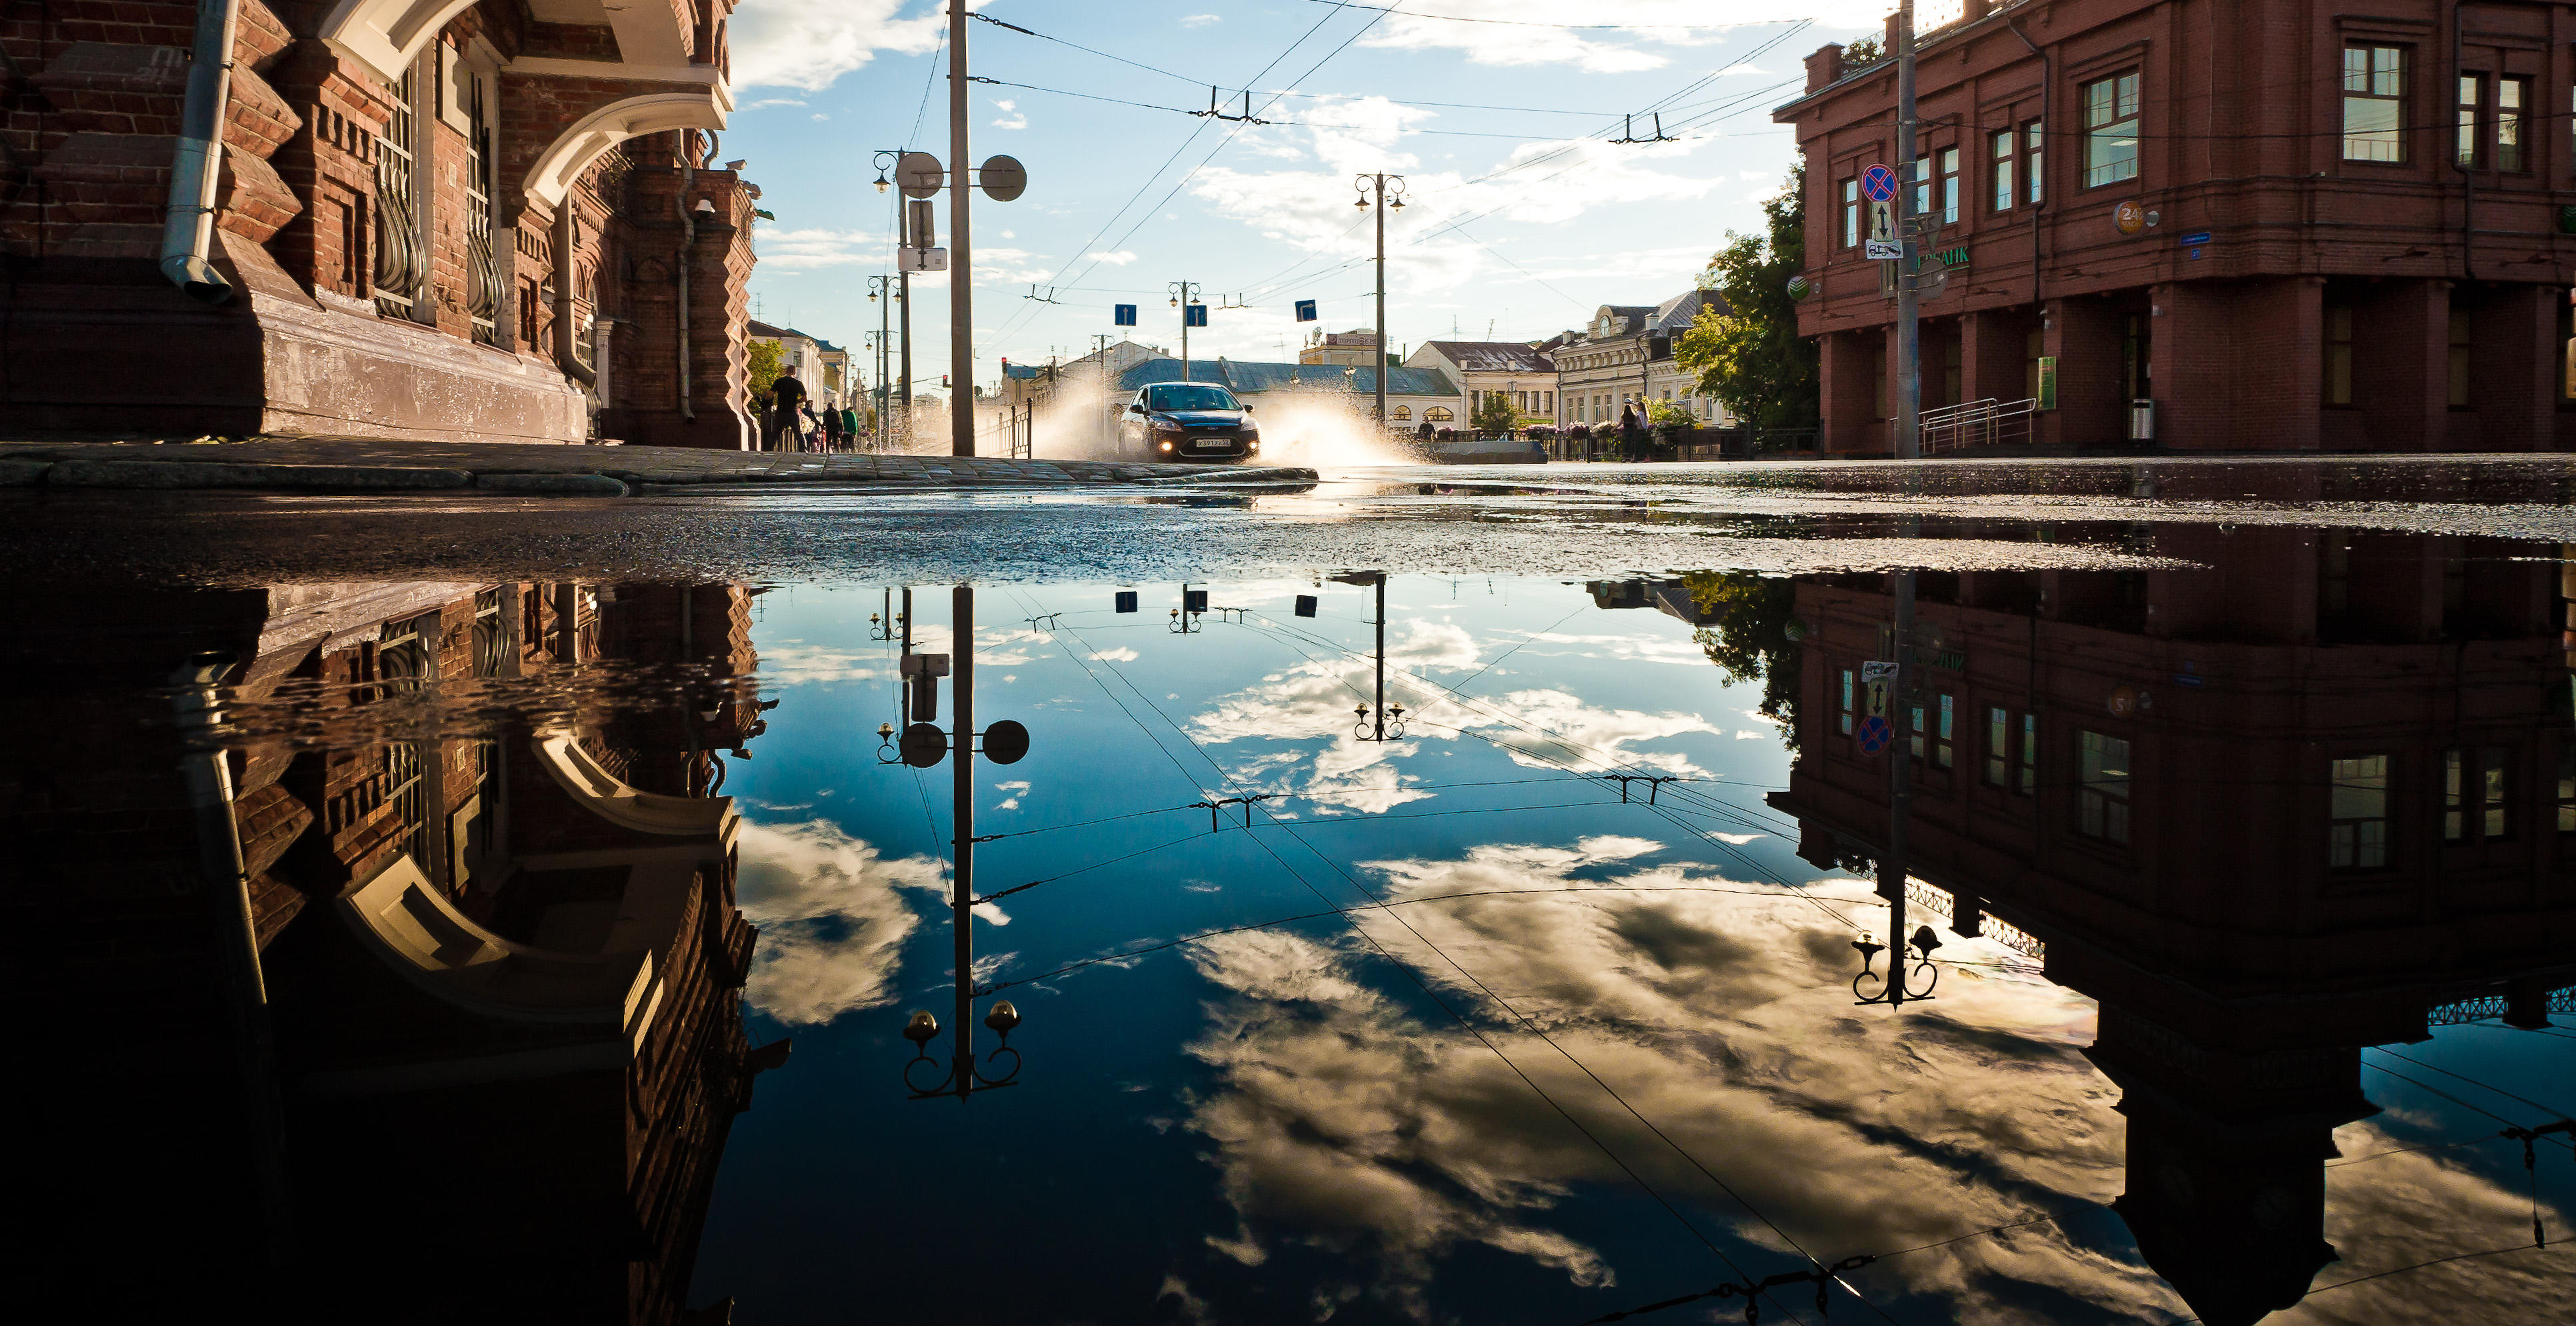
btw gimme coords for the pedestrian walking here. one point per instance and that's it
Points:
(1632, 433)
(850, 426)
(788, 393)
(831, 427)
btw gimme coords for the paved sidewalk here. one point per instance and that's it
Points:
(366, 464)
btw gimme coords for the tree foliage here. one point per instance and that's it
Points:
(1494, 413)
(1751, 638)
(1669, 414)
(1864, 52)
(1750, 356)
(762, 363)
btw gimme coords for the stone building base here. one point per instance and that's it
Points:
(106, 345)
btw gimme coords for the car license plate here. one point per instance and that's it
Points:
(1209, 443)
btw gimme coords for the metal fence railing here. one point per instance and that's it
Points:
(1982, 423)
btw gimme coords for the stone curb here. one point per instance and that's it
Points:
(23, 473)
(565, 485)
(226, 474)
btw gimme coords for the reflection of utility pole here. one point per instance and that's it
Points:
(1373, 725)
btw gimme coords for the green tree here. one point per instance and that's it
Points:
(1750, 356)
(762, 363)
(1752, 637)
(1669, 414)
(1494, 414)
(1863, 53)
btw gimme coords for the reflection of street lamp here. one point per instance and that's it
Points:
(923, 745)
(1897, 985)
(1376, 730)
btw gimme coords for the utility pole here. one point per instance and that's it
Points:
(1184, 298)
(1375, 186)
(961, 753)
(961, 275)
(1909, 331)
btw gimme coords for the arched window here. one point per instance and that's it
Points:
(1438, 414)
(1404, 412)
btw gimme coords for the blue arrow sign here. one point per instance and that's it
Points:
(1194, 315)
(1879, 183)
(1124, 315)
(1305, 310)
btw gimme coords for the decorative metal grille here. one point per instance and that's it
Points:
(482, 266)
(399, 264)
(2014, 937)
(406, 661)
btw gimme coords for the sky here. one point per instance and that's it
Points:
(1523, 216)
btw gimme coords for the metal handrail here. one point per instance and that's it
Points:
(1987, 422)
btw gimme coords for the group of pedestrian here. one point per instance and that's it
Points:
(792, 422)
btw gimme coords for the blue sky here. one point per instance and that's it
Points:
(1522, 219)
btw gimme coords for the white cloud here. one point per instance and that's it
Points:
(808, 43)
(1200, 20)
(1013, 119)
(832, 920)
(774, 101)
(1122, 654)
(818, 117)
(800, 249)
(1015, 788)
(1118, 259)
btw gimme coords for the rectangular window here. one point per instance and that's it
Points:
(2357, 832)
(2465, 139)
(482, 265)
(2459, 357)
(1949, 186)
(1851, 214)
(1847, 702)
(2567, 788)
(2031, 164)
(1998, 747)
(1914, 741)
(1944, 735)
(2491, 789)
(398, 268)
(1923, 186)
(2111, 130)
(2338, 356)
(2513, 95)
(2374, 103)
(2102, 800)
(2003, 154)
(2029, 754)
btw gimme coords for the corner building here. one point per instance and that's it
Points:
(439, 220)
(2288, 227)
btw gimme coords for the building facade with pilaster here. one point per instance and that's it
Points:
(2287, 229)
(433, 219)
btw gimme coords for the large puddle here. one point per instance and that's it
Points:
(1385, 946)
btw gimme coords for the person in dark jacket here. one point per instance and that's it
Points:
(1632, 433)
(787, 411)
(831, 427)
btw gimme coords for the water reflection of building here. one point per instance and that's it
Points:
(496, 945)
(2305, 799)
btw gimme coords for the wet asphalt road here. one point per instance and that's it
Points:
(1555, 520)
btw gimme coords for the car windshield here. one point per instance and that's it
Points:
(1189, 396)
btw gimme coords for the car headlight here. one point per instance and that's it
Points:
(1166, 445)
(1166, 426)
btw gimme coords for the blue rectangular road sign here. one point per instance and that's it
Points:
(1124, 315)
(1194, 315)
(1305, 310)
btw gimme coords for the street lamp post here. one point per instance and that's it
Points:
(886, 157)
(1185, 297)
(1909, 330)
(1380, 185)
(1373, 725)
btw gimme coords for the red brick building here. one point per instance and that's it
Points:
(436, 219)
(2314, 793)
(2290, 229)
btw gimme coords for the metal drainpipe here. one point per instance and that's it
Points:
(2047, 86)
(688, 257)
(189, 226)
(2468, 180)
(565, 354)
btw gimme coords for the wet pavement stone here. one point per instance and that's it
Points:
(370, 464)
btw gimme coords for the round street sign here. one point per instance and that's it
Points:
(924, 745)
(1879, 183)
(1005, 742)
(919, 174)
(1873, 733)
(2130, 217)
(1004, 178)
(2124, 701)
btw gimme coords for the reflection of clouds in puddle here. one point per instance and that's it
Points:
(1341, 1118)
(1344, 1119)
(832, 922)
(1314, 700)
(793, 662)
(1621, 648)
